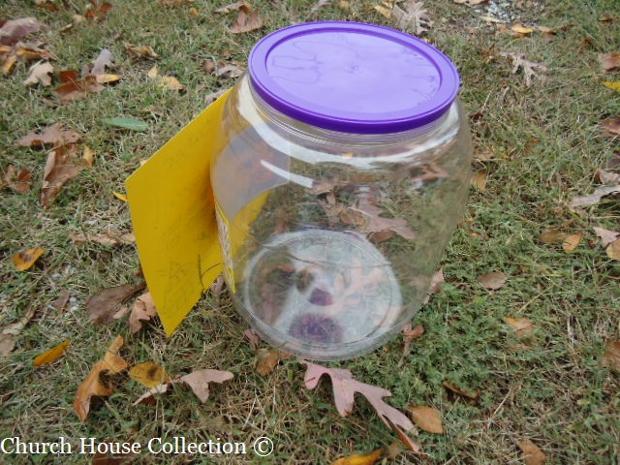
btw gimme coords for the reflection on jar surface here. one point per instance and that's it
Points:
(330, 238)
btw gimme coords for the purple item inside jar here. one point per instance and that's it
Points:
(315, 328)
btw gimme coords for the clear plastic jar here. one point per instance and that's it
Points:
(345, 172)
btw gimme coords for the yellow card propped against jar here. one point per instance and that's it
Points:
(173, 216)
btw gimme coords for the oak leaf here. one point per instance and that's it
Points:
(427, 418)
(247, 20)
(530, 69)
(103, 306)
(51, 355)
(345, 387)
(413, 17)
(25, 259)
(94, 385)
(54, 135)
(595, 197)
(199, 380)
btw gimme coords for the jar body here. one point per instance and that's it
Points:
(330, 239)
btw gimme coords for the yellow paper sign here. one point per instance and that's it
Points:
(173, 216)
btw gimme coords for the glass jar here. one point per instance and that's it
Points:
(344, 173)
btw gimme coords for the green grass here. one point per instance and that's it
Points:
(546, 144)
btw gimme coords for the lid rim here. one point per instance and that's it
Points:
(402, 120)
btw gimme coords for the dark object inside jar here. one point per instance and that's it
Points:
(315, 328)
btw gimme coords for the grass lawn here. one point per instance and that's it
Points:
(545, 144)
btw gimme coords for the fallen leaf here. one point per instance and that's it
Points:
(119, 196)
(148, 396)
(360, 459)
(522, 326)
(607, 177)
(547, 32)
(613, 85)
(268, 359)
(345, 387)
(409, 335)
(51, 355)
(521, 30)
(60, 303)
(595, 197)
(319, 4)
(427, 418)
(109, 238)
(19, 180)
(143, 310)
(252, 337)
(493, 281)
(8, 64)
(94, 385)
(366, 217)
(479, 181)
(613, 250)
(611, 126)
(168, 82)
(73, 87)
(530, 68)
(141, 51)
(88, 155)
(609, 61)
(40, 73)
(236, 6)
(97, 10)
(213, 96)
(9, 333)
(131, 124)
(470, 2)
(247, 20)
(102, 306)
(472, 395)
(48, 5)
(228, 71)
(14, 29)
(552, 236)
(148, 374)
(611, 357)
(532, 455)
(571, 242)
(384, 10)
(54, 135)
(104, 60)
(606, 236)
(61, 166)
(413, 18)
(199, 380)
(25, 259)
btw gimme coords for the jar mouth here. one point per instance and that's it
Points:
(353, 77)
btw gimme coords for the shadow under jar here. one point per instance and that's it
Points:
(345, 172)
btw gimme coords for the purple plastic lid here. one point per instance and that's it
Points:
(353, 77)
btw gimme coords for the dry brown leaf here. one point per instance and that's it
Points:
(413, 18)
(611, 357)
(268, 359)
(88, 155)
(73, 87)
(606, 236)
(228, 71)
(48, 5)
(61, 166)
(109, 238)
(149, 396)
(613, 250)
(409, 335)
(427, 418)
(532, 455)
(479, 181)
(384, 10)
(51, 355)
(94, 385)
(360, 459)
(236, 6)
(168, 82)
(611, 126)
(29, 52)
(607, 177)
(60, 303)
(595, 197)
(522, 326)
(252, 337)
(571, 242)
(552, 236)
(520, 30)
(609, 61)
(468, 394)
(102, 306)
(141, 51)
(213, 96)
(345, 387)
(530, 68)
(9, 64)
(25, 259)
(199, 380)
(247, 20)
(40, 73)
(143, 310)
(149, 374)
(9, 333)
(17, 180)
(493, 281)
(54, 135)
(104, 60)
(97, 10)
(14, 29)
